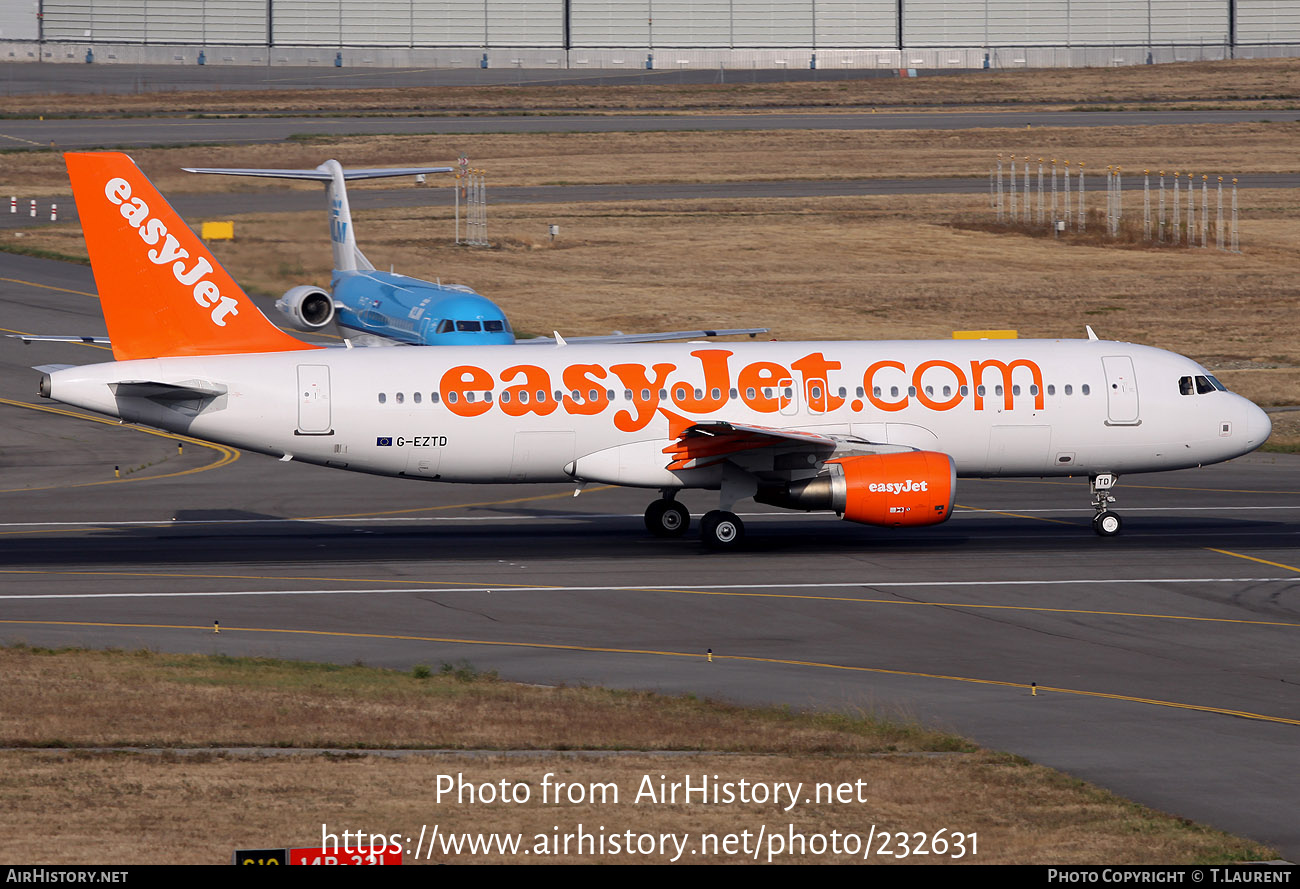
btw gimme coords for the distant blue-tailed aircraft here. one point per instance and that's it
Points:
(383, 308)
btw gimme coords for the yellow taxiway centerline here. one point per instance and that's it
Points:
(1038, 689)
(228, 454)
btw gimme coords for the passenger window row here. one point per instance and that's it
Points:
(946, 391)
(593, 395)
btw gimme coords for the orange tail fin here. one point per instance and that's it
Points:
(162, 292)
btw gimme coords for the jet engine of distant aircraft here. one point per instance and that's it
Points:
(307, 308)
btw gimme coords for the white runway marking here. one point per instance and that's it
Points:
(358, 520)
(668, 588)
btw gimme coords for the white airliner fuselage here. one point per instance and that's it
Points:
(998, 408)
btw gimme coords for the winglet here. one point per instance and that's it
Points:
(162, 292)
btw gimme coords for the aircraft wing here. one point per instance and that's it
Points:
(704, 444)
(697, 445)
(642, 337)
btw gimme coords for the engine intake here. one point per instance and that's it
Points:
(913, 488)
(306, 307)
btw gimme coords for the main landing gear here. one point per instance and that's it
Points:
(667, 517)
(720, 529)
(1106, 522)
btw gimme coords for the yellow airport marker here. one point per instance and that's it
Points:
(984, 334)
(216, 626)
(1033, 689)
(218, 231)
(710, 655)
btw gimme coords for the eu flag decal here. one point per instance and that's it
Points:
(384, 441)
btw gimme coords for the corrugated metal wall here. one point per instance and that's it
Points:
(1063, 22)
(724, 24)
(525, 23)
(773, 23)
(18, 20)
(451, 23)
(852, 24)
(316, 22)
(648, 24)
(234, 22)
(613, 23)
(1268, 21)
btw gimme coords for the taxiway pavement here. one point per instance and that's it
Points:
(82, 134)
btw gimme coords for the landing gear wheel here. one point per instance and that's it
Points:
(722, 530)
(667, 518)
(1107, 524)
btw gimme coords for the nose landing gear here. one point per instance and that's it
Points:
(1106, 522)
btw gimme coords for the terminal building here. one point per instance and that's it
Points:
(649, 34)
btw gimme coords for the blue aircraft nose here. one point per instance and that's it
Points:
(466, 319)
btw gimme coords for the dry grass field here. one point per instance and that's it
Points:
(1265, 83)
(200, 804)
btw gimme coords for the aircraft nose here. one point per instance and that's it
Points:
(1258, 426)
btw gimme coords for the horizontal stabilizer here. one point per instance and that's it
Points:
(318, 174)
(165, 391)
(347, 257)
(32, 338)
(645, 337)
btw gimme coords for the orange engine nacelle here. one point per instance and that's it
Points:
(913, 488)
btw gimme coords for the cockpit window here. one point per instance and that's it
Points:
(1199, 385)
(444, 326)
(494, 326)
(468, 326)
